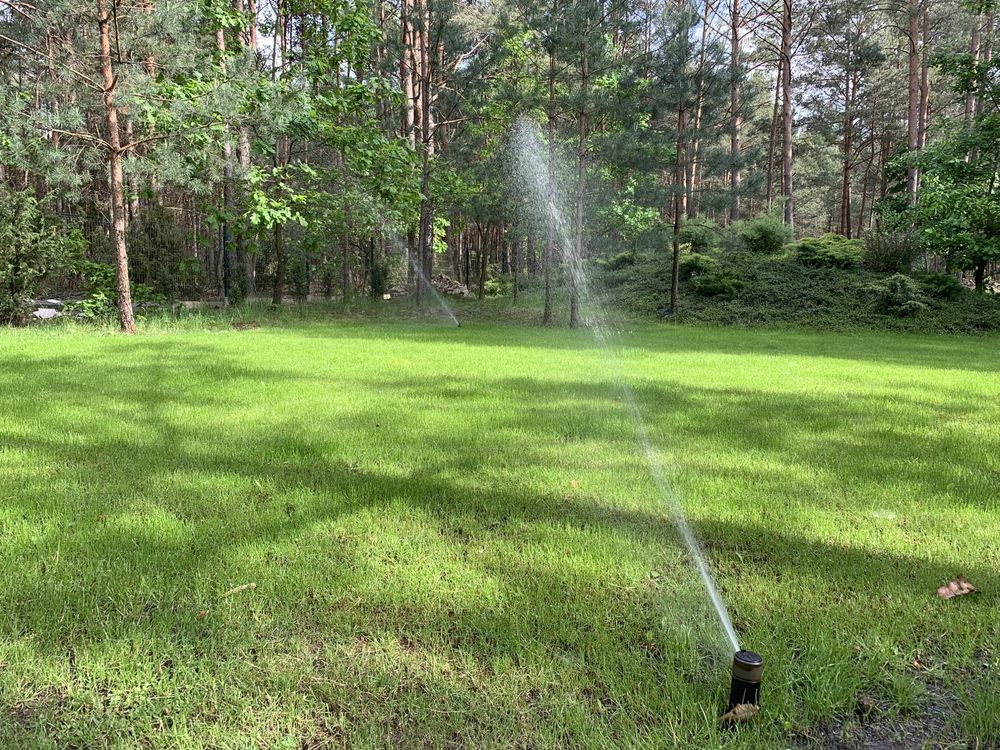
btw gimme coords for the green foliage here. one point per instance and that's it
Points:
(942, 286)
(898, 295)
(696, 264)
(890, 252)
(701, 235)
(621, 260)
(776, 292)
(35, 248)
(957, 211)
(101, 292)
(716, 282)
(830, 250)
(764, 234)
(497, 285)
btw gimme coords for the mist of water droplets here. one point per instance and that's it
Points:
(531, 157)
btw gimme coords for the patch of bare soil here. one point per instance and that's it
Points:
(930, 727)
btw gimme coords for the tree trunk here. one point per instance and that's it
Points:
(925, 81)
(680, 201)
(845, 182)
(516, 264)
(979, 275)
(548, 256)
(279, 264)
(483, 250)
(736, 120)
(913, 99)
(581, 188)
(245, 259)
(974, 42)
(786, 112)
(699, 105)
(772, 144)
(126, 317)
(227, 182)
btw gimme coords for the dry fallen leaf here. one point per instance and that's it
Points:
(957, 587)
(201, 615)
(741, 713)
(574, 483)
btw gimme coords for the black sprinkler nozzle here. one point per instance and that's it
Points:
(747, 670)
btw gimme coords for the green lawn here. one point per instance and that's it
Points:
(455, 541)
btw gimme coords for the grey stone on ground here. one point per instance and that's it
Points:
(46, 313)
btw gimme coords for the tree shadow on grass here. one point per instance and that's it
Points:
(110, 558)
(947, 352)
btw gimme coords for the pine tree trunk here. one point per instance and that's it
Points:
(736, 120)
(694, 162)
(786, 112)
(848, 147)
(278, 292)
(772, 144)
(925, 81)
(581, 188)
(680, 204)
(548, 256)
(244, 258)
(126, 316)
(913, 98)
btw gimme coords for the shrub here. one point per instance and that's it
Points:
(898, 295)
(101, 288)
(764, 234)
(35, 247)
(828, 251)
(620, 261)
(716, 282)
(890, 252)
(941, 286)
(695, 264)
(701, 236)
(499, 285)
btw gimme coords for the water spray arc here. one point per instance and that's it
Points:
(422, 279)
(531, 157)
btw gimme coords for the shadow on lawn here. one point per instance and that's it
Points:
(125, 442)
(948, 352)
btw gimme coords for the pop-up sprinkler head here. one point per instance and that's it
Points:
(747, 670)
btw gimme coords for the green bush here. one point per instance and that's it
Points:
(898, 295)
(696, 264)
(499, 285)
(828, 251)
(765, 234)
(35, 248)
(101, 289)
(700, 235)
(943, 286)
(620, 261)
(717, 282)
(889, 252)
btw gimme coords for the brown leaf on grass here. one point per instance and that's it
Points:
(957, 587)
(741, 713)
(201, 615)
